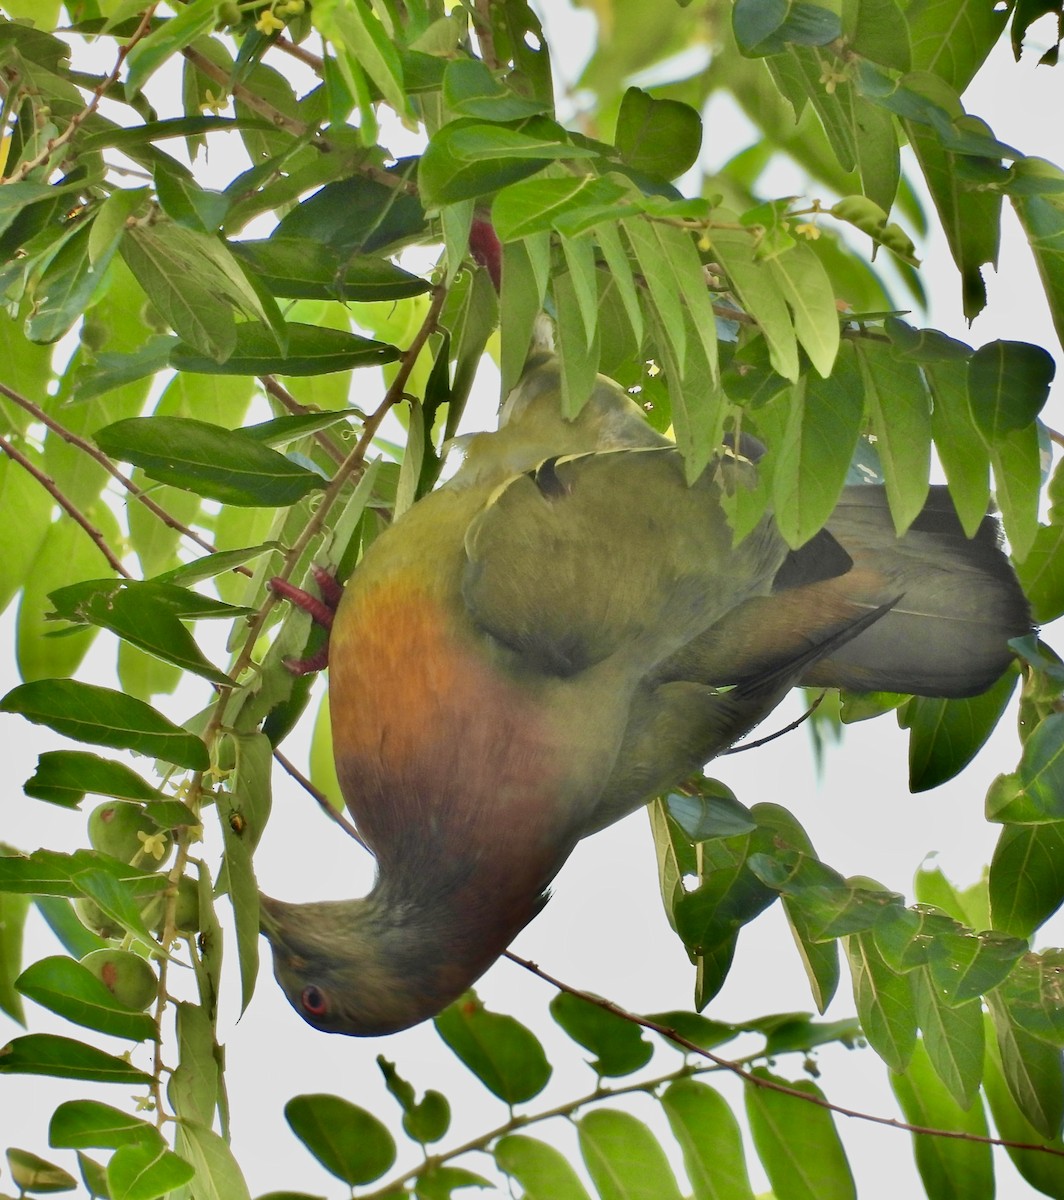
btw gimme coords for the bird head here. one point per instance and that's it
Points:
(343, 968)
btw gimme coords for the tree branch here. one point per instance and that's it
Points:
(284, 397)
(737, 1068)
(332, 813)
(54, 490)
(98, 456)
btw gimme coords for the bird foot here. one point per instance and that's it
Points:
(322, 610)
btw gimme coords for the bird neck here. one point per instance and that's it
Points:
(440, 933)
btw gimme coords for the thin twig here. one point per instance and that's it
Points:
(79, 118)
(485, 34)
(771, 1085)
(332, 813)
(283, 396)
(779, 732)
(314, 61)
(97, 455)
(250, 99)
(523, 1120)
(53, 489)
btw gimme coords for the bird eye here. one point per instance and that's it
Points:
(314, 1001)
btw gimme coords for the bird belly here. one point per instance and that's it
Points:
(439, 750)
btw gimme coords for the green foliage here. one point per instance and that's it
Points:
(351, 276)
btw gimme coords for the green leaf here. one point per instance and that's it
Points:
(218, 1177)
(147, 615)
(758, 292)
(945, 735)
(471, 90)
(182, 199)
(505, 1056)
(949, 1167)
(33, 1174)
(1037, 201)
(13, 910)
(963, 453)
(222, 464)
(107, 718)
(542, 1171)
(196, 284)
(624, 1159)
(1033, 795)
(538, 205)
(46, 1054)
(657, 137)
(970, 218)
(64, 777)
(59, 914)
(900, 408)
(952, 1037)
(309, 350)
(1008, 383)
(967, 965)
(348, 1141)
(884, 1001)
(169, 37)
(810, 295)
(468, 158)
(762, 27)
(797, 1142)
(145, 1172)
(66, 987)
(425, 1120)
(525, 272)
(89, 1124)
(302, 268)
(1027, 877)
(954, 42)
(194, 1086)
(811, 461)
(578, 355)
(355, 30)
(619, 1046)
(242, 889)
(708, 1133)
(714, 812)
(1028, 1072)
(728, 896)
(1017, 462)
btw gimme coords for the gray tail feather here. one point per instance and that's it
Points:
(954, 601)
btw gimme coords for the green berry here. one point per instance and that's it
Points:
(186, 913)
(127, 976)
(92, 916)
(125, 831)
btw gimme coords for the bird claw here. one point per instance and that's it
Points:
(321, 610)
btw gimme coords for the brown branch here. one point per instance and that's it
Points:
(98, 456)
(770, 1084)
(79, 118)
(322, 800)
(249, 98)
(54, 490)
(779, 732)
(283, 396)
(523, 1120)
(485, 34)
(314, 61)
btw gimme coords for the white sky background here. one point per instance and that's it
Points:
(604, 930)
